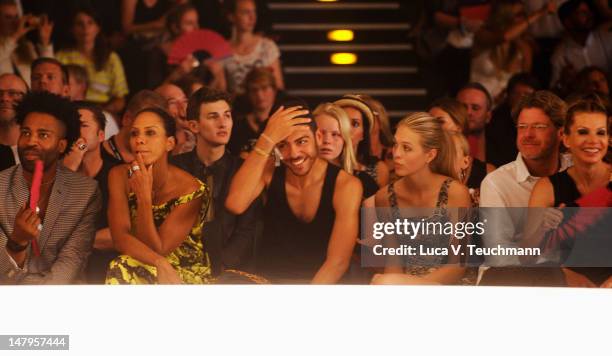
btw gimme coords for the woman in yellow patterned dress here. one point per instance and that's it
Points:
(156, 211)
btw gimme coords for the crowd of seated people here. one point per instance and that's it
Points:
(216, 175)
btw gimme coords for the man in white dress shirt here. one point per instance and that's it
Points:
(540, 117)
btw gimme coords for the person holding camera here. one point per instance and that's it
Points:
(17, 52)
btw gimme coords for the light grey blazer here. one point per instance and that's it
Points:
(69, 227)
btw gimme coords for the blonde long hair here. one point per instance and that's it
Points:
(348, 158)
(432, 137)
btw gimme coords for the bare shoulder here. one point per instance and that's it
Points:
(348, 189)
(381, 198)
(543, 194)
(347, 181)
(119, 172)
(184, 182)
(458, 195)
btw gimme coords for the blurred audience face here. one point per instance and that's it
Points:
(475, 102)
(189, 22)
(329, 138)
(299, 151)
(245, 16)
(582, 18)
(588, 137)
(214, 125)
(261, 95)
(48, 77)
(517, 92)
(9, 19)
(537, 137)
(12, 90)
(90, 130)
(78, 89)
(598, 83)
(148, 137)
(41, 138)
(85, 29)
(356, 119)
(409, 156)
(177, 101)
(448, 123)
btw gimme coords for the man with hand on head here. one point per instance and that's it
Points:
(62, 226)
(311, 217)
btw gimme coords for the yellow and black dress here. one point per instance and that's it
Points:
(190, 259)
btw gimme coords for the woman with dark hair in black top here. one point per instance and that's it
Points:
(586, 137)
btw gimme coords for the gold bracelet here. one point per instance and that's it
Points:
(267, 138)
(260, 152)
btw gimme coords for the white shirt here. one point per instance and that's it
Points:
(111, 127)
(505, 192)
(597, 51)
(15, 154)
(547, 26)
(484, 71)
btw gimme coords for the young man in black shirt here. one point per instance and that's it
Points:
(229, 238)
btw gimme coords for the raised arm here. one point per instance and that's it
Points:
(176, 225)
(256, 171)
(347, 200)
(487, 38)
(120, 228)
(119, 219)
(539, 219)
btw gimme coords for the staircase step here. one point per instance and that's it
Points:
(370, 26)
(369, 58)
(346, 47)
(350, 69)
(370, 91)
(360, 36)
(342, 80)
(334, 6)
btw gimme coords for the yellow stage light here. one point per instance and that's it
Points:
(343, 58)
(340, 35)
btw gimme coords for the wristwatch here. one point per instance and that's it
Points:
(15, 247)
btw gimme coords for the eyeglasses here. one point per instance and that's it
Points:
(537, 127)
(13, 94)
